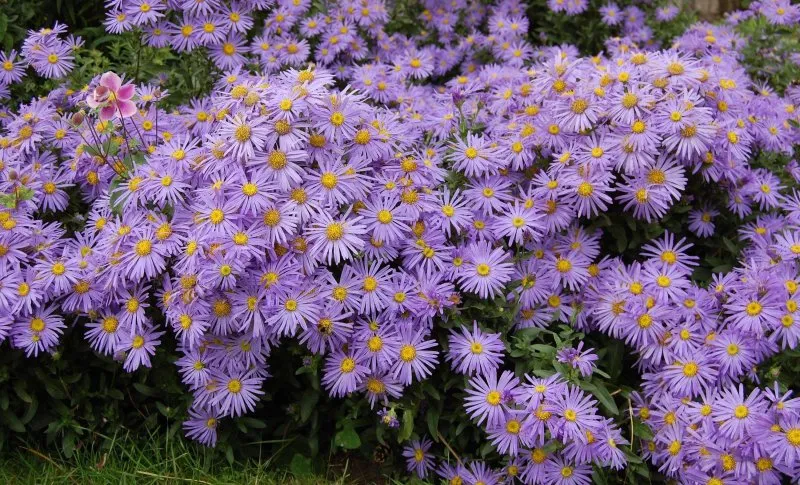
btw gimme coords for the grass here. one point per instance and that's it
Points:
(156, 460)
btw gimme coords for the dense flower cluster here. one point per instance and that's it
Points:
(50, 55)
(354, 219)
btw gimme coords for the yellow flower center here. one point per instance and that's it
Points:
(234, 386)
(242, 133)
(143, 247)
(362, 137)
(370, 284)
(348, 365)
(753, 308)
(334, 231)
(408, 353)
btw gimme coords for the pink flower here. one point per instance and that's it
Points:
(113, 99)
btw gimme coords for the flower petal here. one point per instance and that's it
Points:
(111, 81)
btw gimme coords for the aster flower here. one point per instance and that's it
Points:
(343, 373)
(38, 332)
(577, 358)
(336, 240)
(475, 352)
(243, 136)
(519, 224)
(489, 398)
(576, 413)
(238, 392)
(736, 413)
(202, 426)
(475, 156)
(139, 347)
(416, 357)
(418, 458)
(486, 271)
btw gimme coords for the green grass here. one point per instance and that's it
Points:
(156, 460)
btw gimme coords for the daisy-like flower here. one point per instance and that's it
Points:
(139, 347)
(576, 413)
(736, 414)
(418, 457)
(53, 61)
(562, 472)
(570, 268)
(691, 375)
(39, 331)
(12, 69)
(343, 373)
(701, 222)
(475, 352)
(507, 436)
(753, 313)
(202, 426)
(238, 392)
(518, 224)
(475, 156)
(380, 386)
(145, 259)
(486, 271)
(335, 240)
(490, 398)
(577, 358)
(243, 136)
(385, 221)
(416, 356)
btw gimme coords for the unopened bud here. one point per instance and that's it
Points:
(77, 118)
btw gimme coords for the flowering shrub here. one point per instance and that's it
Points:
(458, 206)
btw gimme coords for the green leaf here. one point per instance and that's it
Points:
(599, 391)
(68, 444)
(3, 25)
(21, 392)
(13, 422)
(407, 426)
(307, 404)
(347, 438)
(25, 193)
(8, 200)
(144, 389)
(643, 431)
(113, 200)
(618, 233)
(229, 454)
(730, 246)
(300, 465)
(164, 410)
(253, 423)
(432, 418)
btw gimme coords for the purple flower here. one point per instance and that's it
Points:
(486, 271)
(139, 346)
(418, 458)
(416, 356)
(577, 358)
(343, 374)
(237, 392)
(489, 397)
(475, 352)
